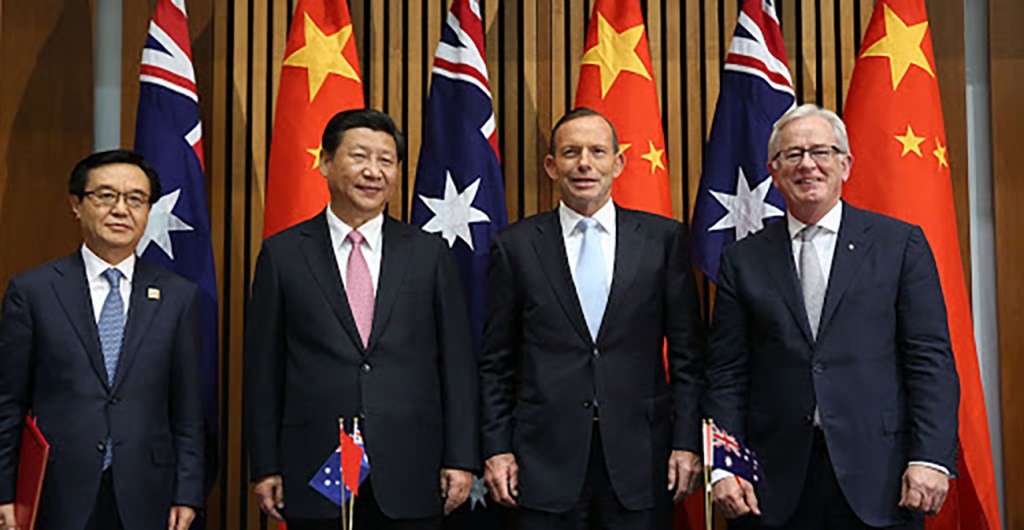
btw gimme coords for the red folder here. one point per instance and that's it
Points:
(35, 452)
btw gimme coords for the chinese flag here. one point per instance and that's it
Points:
(616, 80)
(901, 169)
(319, 78)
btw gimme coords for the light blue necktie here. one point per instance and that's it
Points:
(591, 278)
(111, 328)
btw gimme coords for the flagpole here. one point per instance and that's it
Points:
(708, 459)
(341, 472)
(352, 498)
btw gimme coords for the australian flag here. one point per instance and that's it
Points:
(736, 195)
(337, 479)
(459, 191)
(169, 135)
(723, 451)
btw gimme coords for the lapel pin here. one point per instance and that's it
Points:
(851, 247)
(153, 293)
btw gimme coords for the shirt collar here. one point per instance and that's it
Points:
(829, 222)
(370, 230)
(605, 218)
(95, 265)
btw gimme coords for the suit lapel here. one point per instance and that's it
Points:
(780, 264)
(141, 309)
(852, 246)
(629, 250)
(319, 256)
(395, 258)
(550, 249)
(72, 291)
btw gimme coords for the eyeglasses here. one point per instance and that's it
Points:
(821, 154)
(107, 198)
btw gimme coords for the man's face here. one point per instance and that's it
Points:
(584, 163)
(810, 184)
(361, 174)
(113, 230)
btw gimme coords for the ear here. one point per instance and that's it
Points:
(549, 167)
(847, 164)
(76, 205)
(619, 165)
(324, 162)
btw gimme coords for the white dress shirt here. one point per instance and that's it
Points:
(372, 246)
(572, 236)
(99, 287)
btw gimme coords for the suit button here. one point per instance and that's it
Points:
(101, 447)
(365, 368)
(586, 404)
(114, 400)
(818, 368)
(597, 353)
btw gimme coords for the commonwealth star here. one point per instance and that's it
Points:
(455, 212)
(162, 222)
(747, 210)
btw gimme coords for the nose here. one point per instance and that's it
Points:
(806, 161)
(120, 206)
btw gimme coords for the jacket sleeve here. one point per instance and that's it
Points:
(728, 375)
(499, 360)
(263, 386)
(16, 329)
(929, 369)
(186, 413)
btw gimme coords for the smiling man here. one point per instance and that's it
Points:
(581, 426)
(355, 314)
(103, 349)
(830, 354)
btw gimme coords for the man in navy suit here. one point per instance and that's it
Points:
(830, 353)
(581, 426)
(103, 349)
(356, 314)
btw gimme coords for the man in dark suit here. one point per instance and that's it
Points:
(578, 427)
(830, 352)
(103, 349)
(356, 314)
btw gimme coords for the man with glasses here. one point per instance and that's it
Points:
(830, 355)
(103, 349)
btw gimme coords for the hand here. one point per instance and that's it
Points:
(455, 486)
(683, 473)
(924, 489)
(181, 518)
(735, 497)
(501, 474)
(270, 495)
(7, 521)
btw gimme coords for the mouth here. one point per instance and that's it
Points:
(809, 181)
(369, 189)
(584, 183)
(119, 227)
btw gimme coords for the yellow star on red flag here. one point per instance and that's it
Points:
(654, 157)
(322, 55)
(316, 157)
(911, 142)
(940, 154)
(615, 53)
(902, 46)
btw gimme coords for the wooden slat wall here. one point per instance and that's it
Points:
(533, 47)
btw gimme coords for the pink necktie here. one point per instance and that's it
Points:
(359, 287)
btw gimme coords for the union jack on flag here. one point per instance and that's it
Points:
(169, 135)
(724, 451)
(736, 195)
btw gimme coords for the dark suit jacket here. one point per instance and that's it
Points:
(305, 366)
(51, 362)
(881, 370)
(541, 371)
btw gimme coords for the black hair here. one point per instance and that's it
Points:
(575, 114)
(374, 120)
(80, 174)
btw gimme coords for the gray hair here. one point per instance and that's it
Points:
(805, 111)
